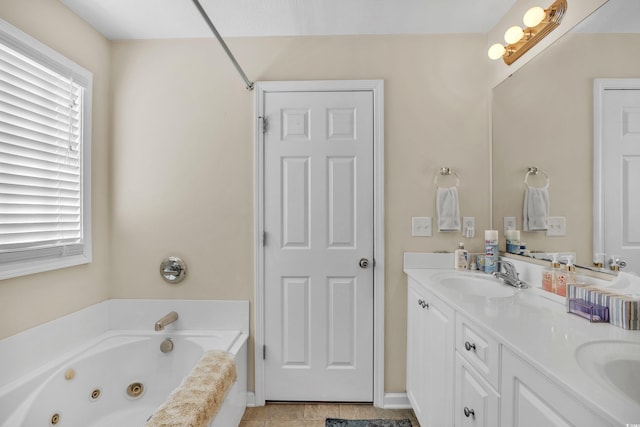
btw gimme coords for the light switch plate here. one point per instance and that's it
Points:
(468, 226)
(421, 226)
(557, 226)
(509, 223)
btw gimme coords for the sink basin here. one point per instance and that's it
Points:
(476, 285)
(615, 363)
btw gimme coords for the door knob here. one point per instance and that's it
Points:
(364, 263)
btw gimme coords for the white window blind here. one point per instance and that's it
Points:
(42, 201)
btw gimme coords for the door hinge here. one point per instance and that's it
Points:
(264, 123)
(264, 352)
(264, 238)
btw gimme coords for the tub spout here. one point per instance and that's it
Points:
(165, 320)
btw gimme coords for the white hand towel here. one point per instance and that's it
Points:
(448, 209)
(536, 209)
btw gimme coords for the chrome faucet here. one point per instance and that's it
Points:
(510, 275)
(165, 320)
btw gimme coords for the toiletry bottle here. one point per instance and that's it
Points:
(566, 276)
(549, 274)
(461, 257)
(491, 251)
(513, 241)
(561, 281)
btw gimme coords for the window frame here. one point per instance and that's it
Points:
(42, 261)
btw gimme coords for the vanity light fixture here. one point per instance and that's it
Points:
(538, 23)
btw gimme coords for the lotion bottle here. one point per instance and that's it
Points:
(549, 274)
(461, 257)
(566, 276)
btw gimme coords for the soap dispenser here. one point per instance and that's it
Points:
(565, 276)
(461, 257)
(549, 274)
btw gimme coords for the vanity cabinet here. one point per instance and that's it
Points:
(430, 357)
(529, 399)
(461, 374)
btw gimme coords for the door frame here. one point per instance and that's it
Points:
(599, 88)
(377, 89)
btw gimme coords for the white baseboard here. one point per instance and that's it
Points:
(251, 399)
(396, 401)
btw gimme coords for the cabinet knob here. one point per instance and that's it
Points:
(469, 346)
(469, 412)
(422, 303)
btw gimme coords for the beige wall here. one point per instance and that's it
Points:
(173, 158)
(543, 116)
(29, 301)
(182, 169)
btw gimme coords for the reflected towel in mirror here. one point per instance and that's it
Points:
(536, 210)
(448, 209)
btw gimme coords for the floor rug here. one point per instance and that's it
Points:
(336, 422)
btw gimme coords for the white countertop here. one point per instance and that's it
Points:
(540, 331)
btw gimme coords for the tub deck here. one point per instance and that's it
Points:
(119, 377)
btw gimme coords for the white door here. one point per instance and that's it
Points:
(318, 151)
(621, 175)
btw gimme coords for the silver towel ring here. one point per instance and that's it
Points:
(445, 171)
(534, 171)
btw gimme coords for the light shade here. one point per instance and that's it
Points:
(496, 51)
(513, 34)
(534, 16)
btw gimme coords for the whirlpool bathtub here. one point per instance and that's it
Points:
(119, 379)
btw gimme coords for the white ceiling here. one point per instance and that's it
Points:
(151, 19)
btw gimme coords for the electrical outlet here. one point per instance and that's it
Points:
(468, 226)
(557, 226)
(421, 226)
(509, 223)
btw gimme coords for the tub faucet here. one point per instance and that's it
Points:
(165, 320)
(510, 275)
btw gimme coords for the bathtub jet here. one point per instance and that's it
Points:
(166, 320)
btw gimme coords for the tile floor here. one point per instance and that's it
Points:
(314, 414)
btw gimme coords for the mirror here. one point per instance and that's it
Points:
(543, 117)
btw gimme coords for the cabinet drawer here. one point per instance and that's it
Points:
(480, 349)
(476, 402)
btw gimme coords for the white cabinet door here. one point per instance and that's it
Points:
(531, 400)
(416, 344)
(476, 403)
(430, 357)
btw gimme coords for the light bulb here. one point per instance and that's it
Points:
(496, 51)
(534, 16)
(513, 34)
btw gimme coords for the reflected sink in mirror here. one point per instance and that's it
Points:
(615, 363)
(477, 284)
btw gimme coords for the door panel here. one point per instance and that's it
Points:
(342, 322)
(295, 322)
(319, 224)
(295, 202)
(341, 207)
